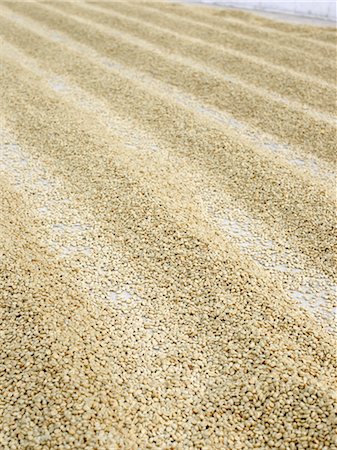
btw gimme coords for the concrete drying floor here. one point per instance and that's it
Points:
(167, 228)
(302, 15)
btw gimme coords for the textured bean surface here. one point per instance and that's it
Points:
(167, 228)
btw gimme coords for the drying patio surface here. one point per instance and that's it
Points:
(168, 271)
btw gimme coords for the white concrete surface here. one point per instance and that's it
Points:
(323, 9)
